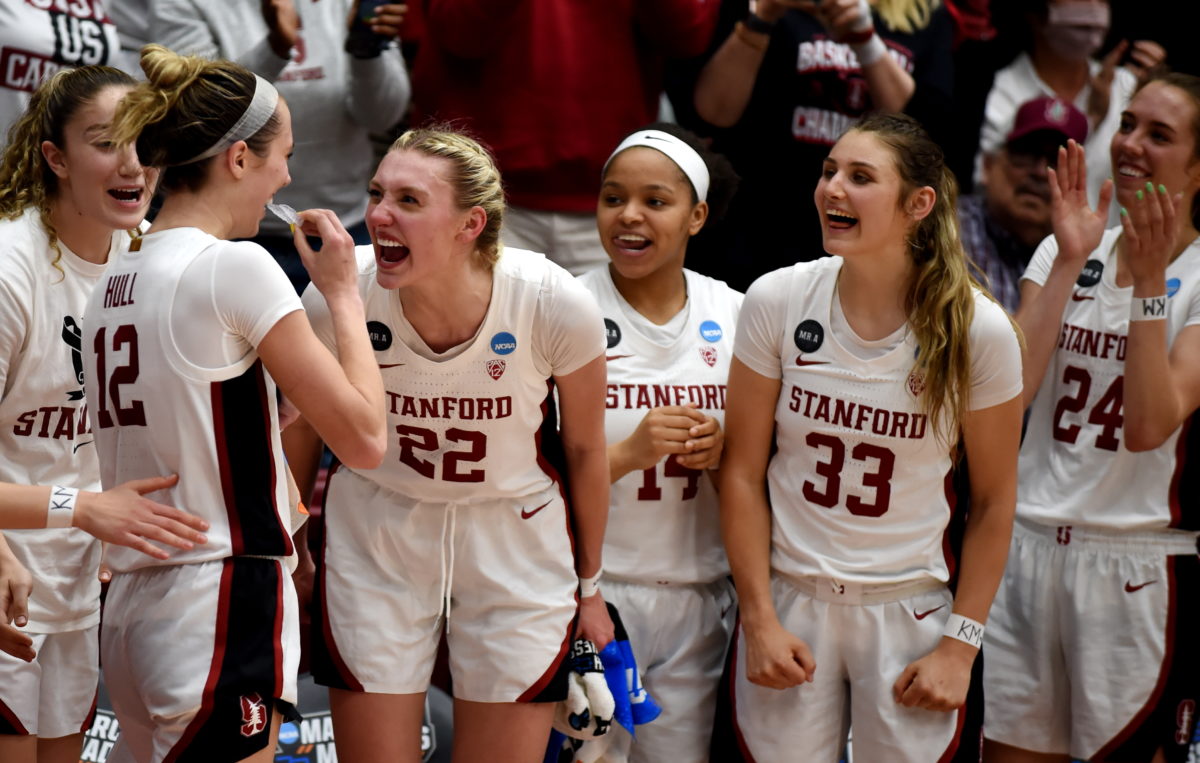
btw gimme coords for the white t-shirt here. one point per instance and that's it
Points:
(1074, 467)
(45, 436)
(178, 387)
(859, 483)
(469, 425)
(663, 522)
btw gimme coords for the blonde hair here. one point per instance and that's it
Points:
(940, 301)
(907, 16)
(26, 179)
(473, 175)
(185, 106)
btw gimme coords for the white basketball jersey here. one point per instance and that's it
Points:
(45, 437)
(663, 524)
(1074, 467)
(467, 428)
(860, 484)
(156, 413)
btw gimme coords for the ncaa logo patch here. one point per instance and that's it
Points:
(809, 336)
(254, 715)
(612, 332)
(1173, 285)
(1090, 276)
(495, 368)
(288, 733)
(381, 335)
(709, 355)
(504, 343)
(710, 331)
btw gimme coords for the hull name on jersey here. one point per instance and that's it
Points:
(856, 416)
(118, 290)
(710, 396)
(466, 408)
(54, 422)
(1096, 344)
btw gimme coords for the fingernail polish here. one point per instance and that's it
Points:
(1124, 211)
(1162, 188)
(1149, 186)
(1140, 195)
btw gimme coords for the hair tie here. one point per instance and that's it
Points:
(684, 156)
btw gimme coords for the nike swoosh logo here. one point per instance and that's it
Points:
(526, 514)
(80, 445)
(616, 357)
(1077, 297)
(800, 362)
(927, 613)
(1130, 587)
(390, 365)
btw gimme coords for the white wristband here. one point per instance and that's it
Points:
(964, 629)
(1148, 308)
(870, 51)
(60, 509)
(589, 587)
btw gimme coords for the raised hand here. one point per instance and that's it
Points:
(1077, 227)
(334, 267)
(1148, 225)
(283, 25)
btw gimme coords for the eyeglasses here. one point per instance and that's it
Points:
(1026, 161)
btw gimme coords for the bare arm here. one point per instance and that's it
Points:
(581, 397)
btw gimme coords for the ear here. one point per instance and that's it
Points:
(473, 224)
(920, 203)
(698, 217)
(237, 158)
(55, 159)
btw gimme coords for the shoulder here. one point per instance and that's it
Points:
(990, 322)
(23, 245)
(778, 285)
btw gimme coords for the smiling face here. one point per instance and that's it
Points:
(1156, 143)
(416, 224)
(95, 179)
(265, 176)
(645, 214)
(858, 198)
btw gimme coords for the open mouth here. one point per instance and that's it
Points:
(632, 242)
(840, 220)
(126, 195)
(391, 251)
(1130, 171)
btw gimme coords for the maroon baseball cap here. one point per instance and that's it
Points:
(1048, 113)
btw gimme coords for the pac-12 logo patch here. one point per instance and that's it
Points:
(709, 354)
(381, 335)
(710, 331)
(809, 336)
(1090, 276)
(254, 715)
(495, 368)
(612, 332)
(503, 343)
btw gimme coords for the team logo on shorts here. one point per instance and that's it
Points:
(504, 343)
(254, 715)
(381, 335)
(612, 332)
(709, 354)
(809, 336)
(495, 368)
(710, 331)
(916, 383)
(1185, 721)
(1090, 276)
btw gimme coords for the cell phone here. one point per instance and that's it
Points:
(367, 9)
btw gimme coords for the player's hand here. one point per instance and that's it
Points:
(594, 623)
(939, 680)
(1148, 225)
(776, 658)
(15, 586)
(1077, 227)
(1100, 94)
(662, 432)
(1146, 56)
(124, 516)
(333, 270)
(16, 643)
(708, 442)
(283, 25)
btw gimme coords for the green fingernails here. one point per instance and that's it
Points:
(1162, 189)
(1149, 187)
(1124, 211)
(1141, 195)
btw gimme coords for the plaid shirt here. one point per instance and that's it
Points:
(993, 250)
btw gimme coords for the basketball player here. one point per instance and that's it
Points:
(67, 202)
(854, 378)
(670, 340)
(466, 527)
(1103, 567)
(185, 340)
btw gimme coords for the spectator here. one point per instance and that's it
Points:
(132, 18)
(784, 83)
(1065, 34)
(551, 87)
(337, 98)
(1004, 223)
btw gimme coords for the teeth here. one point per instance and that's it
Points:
(631, 237)
(388, 242)
(839, 215)
(1128, 171)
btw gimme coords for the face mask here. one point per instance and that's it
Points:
(1076, 30)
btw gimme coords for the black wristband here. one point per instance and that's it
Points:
(756, 23)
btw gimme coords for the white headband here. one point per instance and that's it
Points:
(262, 106)
(684, 156)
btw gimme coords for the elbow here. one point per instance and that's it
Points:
(711, 111)
(366, 453)
(1140, 439)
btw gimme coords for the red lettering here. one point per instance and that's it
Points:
(25, 424)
